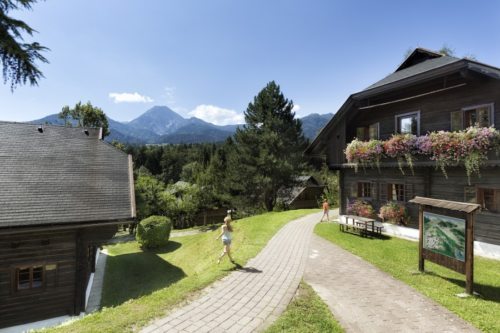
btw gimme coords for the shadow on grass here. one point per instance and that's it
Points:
(133, 275)
(170, 247)
(370, 236)
(486, 292)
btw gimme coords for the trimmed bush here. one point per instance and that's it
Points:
(154, 231)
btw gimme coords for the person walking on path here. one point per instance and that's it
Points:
(326, 210)
(226, 234)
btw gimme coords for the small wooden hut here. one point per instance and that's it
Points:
(63, 193)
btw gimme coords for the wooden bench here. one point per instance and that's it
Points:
(365, 226)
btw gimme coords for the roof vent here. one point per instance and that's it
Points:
(40, 129)
(86, 131)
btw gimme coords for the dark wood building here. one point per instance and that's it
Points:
(427, 92)
(306, 193)
(63, 193)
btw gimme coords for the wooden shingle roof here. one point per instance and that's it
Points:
(446, 204)
(61, 175)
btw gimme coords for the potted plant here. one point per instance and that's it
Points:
(394, 212)
(360, 208)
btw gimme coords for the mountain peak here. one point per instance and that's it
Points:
(159, 119)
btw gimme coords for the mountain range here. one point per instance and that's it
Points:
(160, 125)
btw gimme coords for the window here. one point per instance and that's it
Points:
(396, 192)
(29, 277)
(489, 199)
(373, 131)
(364, 190)
(368, 132)
(408, 123)
(480, 115)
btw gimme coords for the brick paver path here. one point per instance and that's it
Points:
(361, 297)
(364, 299)
(251, 298)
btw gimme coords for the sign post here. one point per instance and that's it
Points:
(446, 236)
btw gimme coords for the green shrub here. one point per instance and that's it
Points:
(154, 231)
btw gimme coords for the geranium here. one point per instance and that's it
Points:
(470, 147)
(394, 212)
(364, 153)
(447, 149)
(478, 141)
(360, 208)
(402, 146)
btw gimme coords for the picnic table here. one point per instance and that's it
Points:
(364, 225)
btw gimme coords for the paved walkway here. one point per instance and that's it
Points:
(250, 298)
(365, 299)
(360, 296)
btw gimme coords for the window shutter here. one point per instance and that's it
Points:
(362, 133)
(373, 190)
(408, 191)
(483, 116)
(383, 191)
(353, 190)
(457, 120)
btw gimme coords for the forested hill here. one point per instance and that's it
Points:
(162, 125)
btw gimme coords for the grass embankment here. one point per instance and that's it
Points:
(140, 286)
(399, 258)
(306, 313)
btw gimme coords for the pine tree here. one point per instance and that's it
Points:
(18, 58)
(269, 146)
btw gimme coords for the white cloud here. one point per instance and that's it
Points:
(129, 98)
(216, 115)
(296, 108)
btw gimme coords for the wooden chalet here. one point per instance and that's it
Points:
(63, 193)
(305, 194)
(427, 92)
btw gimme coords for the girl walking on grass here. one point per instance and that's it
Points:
(226, 234)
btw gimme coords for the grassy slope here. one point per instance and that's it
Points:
(141, 285)
(399, 258)
(306, 313)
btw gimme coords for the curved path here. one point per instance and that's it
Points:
(252, 297)
(361, 297)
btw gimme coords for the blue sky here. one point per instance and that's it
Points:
(210, 58)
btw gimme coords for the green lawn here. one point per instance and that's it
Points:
(140, 286)
(306, 313)
(399, 258)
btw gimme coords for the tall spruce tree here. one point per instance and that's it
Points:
(269, 146)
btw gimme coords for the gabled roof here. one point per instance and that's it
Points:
(417, 56)
(60, 175)
(404, 76)
(419, 68)
(302, 183)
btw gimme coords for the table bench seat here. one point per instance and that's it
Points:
(365, 226)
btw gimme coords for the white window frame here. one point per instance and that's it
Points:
(402, 115)
(472, 107)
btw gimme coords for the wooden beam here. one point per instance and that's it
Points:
(55, 227)
(420, 238)
(469, 254)
(131, 184)
(413, 97)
